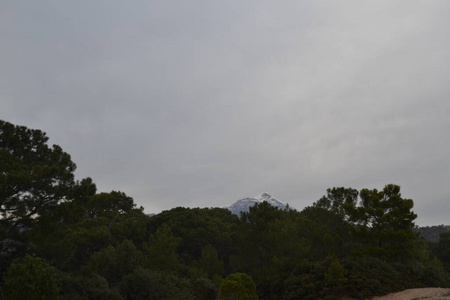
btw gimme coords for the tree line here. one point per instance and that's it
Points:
(61, 239)
(432, 233)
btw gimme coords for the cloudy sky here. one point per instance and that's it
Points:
(201, 103)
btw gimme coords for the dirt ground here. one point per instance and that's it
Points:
(416, 294)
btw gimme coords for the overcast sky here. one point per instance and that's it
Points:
(201, 103)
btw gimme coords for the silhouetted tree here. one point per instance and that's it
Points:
(34, 177)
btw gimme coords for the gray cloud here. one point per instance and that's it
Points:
(202, 103)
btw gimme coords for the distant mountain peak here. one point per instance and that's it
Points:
(263, 195)
(244, 204)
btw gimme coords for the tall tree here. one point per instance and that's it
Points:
(386, 222)
(160, 250)
(382, 221)
(385, 210)
(339, 201)
(34, 177)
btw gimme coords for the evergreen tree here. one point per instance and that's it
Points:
(238, 286)
(30, 278)
(34, 177)
(160, 250)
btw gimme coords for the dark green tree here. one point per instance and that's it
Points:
(306, 282)
(110, 205)
(238, 286)
(385, 222)
(119, 213)
(144, 284)
(197, 228)
(210, 262)
(443, 250)
(204, 289)
(270, 246)
(386, 209)
(381, 221)
(53, 234)
(9, 251)
(258, 242)
(34, 177)
(161, 249)
(85, 285)
(113, 263)
(369, 276)
(30, 278)
(340, 201)
(325, 232)
(76, 230)
(335, 279)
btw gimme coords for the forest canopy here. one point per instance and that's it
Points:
(60, 237)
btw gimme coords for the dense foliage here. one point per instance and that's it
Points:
(62, 238)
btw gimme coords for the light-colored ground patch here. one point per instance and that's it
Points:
(418, 294)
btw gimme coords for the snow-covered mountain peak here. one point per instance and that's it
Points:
(267, 197)
(263, 196)
(244, 204)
